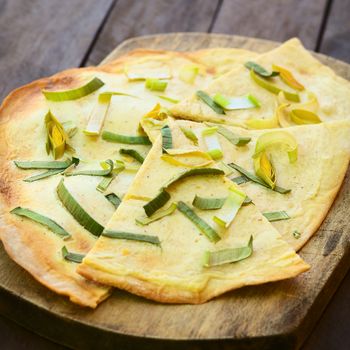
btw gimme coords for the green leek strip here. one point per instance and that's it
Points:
(239, 180)
(188, 73)
(276, 215)
(302, 116)
(207, 230)
(132, 153)
(155, 84)
(130, 140)
(190, 135)
(230, 209)
(156, 203)
(233, 138)
(234, 103)
(105, 182)
(41, 219)
(46, 165)
(131, 236)
(102, 172)
(257, 180)
(156, 216)
(291, 96)
(114, 199)
(225, 168)
(210, 102)
(77, 211)
(212, 142)
(167, 139)
(208, 203)
(106, 96)
(227, 256)
(120, 166)
(73, 257)
(169, 99)
(43, 175)
(260, 70)
(74, 94)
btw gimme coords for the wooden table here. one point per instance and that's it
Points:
(41, 37)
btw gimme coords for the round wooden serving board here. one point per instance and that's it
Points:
(278, 315)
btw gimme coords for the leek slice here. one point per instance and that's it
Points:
(291, 96)
(234, 103)
(190, 135)
(131, 236)
(169, 99)
(130, 140)
(43, 220)
(105, 182)
(273, 138)
(302, 116)
(265, 170)
(208, 203)
(79, 214)
(212, 142)
(260, 70)
(276, 215)
(97, 117)
(233, 138)
(210, 102)
(176, 159)
(156, 216)
(230, 209)
(225, 168)
(158, 113)
(43, 175)
(132, 153)
(70, 128)
(288, 77)
(239, 180)
(103, 172)
(74, 94)
(269, 123)
(73, 257)
(38, 164)
(226, 256)
(257, 180)
(188, 73)
(156, 203)
(207, 230)
(156, 84)
(114, 199)
(167, 139)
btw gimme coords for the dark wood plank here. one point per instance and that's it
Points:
(131, 18)
(273, 20)
(336, 41)
(39, 38)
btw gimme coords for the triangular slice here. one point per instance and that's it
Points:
(174, 271)
(320, 91)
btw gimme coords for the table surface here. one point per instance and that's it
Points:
(41, 37)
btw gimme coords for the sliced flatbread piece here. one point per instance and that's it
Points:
(325, 93)
(173, 271)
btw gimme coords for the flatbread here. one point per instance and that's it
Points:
(332, 91)
(173, 273)
(23, 137)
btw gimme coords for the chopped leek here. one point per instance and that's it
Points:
(302, 116)
(233, 103)
(260, 70)
(114, 199)
(167, 139)
(230, 209)
(43, 220)
(179, 159)
(38, 164)
(208, 203)
(43, 175)
(74, 94)
(70, 128)
(239, 180)
(233, 138)
(158, 113)
(132, 153)
(227, 256)
(77, 211)
(130, 140)
(190, 135)
(97, 117)
(207, 230)
(155, 84)
(210, 102)
(276, 215)
(131, 236)
(225, 168)
(73, 257)
(169, 99)
(212, 142)
(188, 73)
(268, 123)
(156, 216)
(156, 203)
(265, 170)
(282, 115)
(106, 96)
(103, 172)
(104, 183)
(288, 77)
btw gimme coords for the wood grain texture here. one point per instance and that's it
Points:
(273, 20)
(134, 18)
(42, 39)
(336, 40)
(277, 315)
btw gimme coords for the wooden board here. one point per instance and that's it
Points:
(276, 315)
